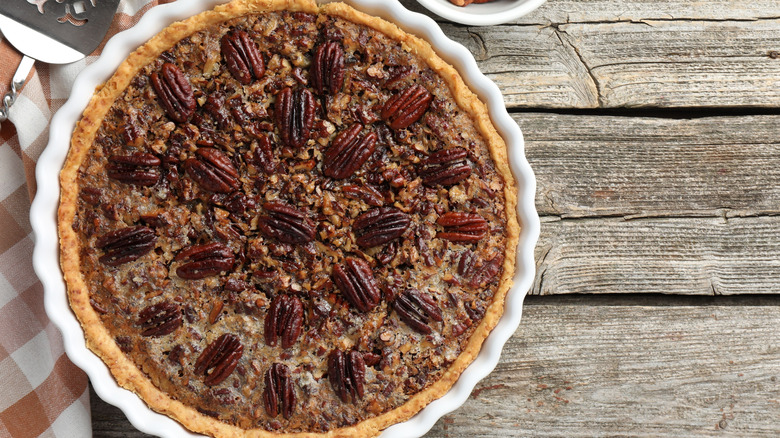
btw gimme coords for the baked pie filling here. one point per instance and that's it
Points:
(287, 220)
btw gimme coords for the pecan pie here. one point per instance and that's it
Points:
(279, 217)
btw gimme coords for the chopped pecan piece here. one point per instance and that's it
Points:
(462, 227)
(388, 253)
(380, 225)
(241, 56)
(215, 106)
(219, 359)
(294, 115)
(156, 219)
(205, 260)
(356, 281)
(175, 92)
(125, 244)
(286, 224)
(279, 391)
(263, 155)
(406, 107)
(212, 170)
(417, 309)
(140, 169)
(284, 319)
(445, 167)
(347, 374)
(91, 195)
(327, 70)
(160, 319)
(246, 118)
(236, 202)
(125, 343)
(348, 151)
(368, 194)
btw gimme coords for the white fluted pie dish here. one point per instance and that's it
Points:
(43, 213)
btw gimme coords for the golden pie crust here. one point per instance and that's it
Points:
(99, 340)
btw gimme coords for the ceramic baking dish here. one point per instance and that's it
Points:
(44, 209)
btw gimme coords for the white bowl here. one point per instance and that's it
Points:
(484, 14)
(44, 212)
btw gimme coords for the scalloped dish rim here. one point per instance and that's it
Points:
(43, 212)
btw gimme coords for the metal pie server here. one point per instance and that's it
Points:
(52, 31)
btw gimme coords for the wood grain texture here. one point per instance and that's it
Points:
(649, 205)
(689, 256)
(574, 369)
(579, 371)
(591, 11)
(637, 166)
(680, 63)
(532, 65)
(582, 11)
(589, 54)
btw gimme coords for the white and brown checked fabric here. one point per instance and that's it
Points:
(41, 392)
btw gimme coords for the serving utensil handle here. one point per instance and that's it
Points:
(17, 82)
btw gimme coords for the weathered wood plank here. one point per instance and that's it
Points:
(687, 256)
(531, 65)
(624, 166)
(681, 63)
(598, 56)
(574, 369)
(579, 370)
(719, 169)
(572, 11)
(591, 11)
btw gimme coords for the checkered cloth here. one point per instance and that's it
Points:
(41, 392)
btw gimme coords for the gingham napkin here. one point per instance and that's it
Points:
(41, 392)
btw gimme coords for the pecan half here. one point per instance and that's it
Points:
(327, 70)
(445, 167)
(294, 115)
(406, 107)
(140, 169)
(205, 260)
(380, 225)
(125, 244)
(279, 391)
(212, 170)
(417, 309)
(284, 319)
(286, 224)
(466, 263)
(462, 227)
(347, 152)
(356, 281)
(160, 319)
(347, 374)
(175, 92)
(488, 273)
(219, 359)
(241, 56)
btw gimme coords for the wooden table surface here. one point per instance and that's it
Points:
(653, 127)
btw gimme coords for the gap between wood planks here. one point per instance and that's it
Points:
(678, 113)
(652, 300)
